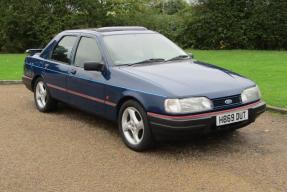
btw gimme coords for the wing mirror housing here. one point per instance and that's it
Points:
(94, 66)
(190, 55)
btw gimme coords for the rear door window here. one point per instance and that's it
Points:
(63, 50)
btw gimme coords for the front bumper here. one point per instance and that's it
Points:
(182, 126)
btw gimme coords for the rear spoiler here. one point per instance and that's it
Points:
(32, 52)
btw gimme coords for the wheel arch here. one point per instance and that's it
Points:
(34, 81)
(125, 99)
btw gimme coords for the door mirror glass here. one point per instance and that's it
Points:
(94, 66)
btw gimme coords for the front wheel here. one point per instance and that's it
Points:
(133, 126)
(44, 102)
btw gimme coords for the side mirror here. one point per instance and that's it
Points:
(190, 55)
(94, 66)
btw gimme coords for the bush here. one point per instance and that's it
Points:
(240, 24)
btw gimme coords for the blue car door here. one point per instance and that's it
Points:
(87, 87)
(57, 67)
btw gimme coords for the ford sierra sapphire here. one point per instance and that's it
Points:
(141, 80)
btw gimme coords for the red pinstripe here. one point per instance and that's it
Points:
(110, 103)
(26, 77)
(82, 95)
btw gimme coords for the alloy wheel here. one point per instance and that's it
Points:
(41, 95)
(132, 125)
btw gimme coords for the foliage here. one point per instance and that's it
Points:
(207, 24)
(233, 24)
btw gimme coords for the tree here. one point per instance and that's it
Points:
(233, 24)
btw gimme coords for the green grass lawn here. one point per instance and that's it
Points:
(267, 68)
(11, 66)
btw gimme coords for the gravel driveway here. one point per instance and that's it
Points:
(70, 150)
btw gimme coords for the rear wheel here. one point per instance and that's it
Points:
(133, 126)
(44, 102)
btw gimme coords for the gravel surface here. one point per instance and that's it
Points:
(69, 150)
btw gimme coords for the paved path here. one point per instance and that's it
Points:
(72, 151)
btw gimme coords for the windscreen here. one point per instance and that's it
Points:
(133, 48)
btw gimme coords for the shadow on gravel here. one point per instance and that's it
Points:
(204, 143)
(93, 120)
(221, 144)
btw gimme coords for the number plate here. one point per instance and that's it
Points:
(233, 117)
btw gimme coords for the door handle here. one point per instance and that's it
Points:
(73, 71)
(46, 65)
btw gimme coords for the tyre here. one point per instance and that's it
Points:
(133, 126)
(44, 102)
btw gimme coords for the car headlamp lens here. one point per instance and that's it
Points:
(188, 105)
(172, 105)
(250, 95)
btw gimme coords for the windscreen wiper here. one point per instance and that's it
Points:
(179, 57)
(152, 60)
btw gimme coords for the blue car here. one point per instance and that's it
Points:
(141, 80)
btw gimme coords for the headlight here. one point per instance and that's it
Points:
(188, 105)
(250, 95)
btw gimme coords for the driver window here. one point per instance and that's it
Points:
(88, 51)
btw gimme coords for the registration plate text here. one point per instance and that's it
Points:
(228, 118)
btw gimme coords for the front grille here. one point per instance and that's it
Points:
(220, 103)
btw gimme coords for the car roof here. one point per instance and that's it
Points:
(112, 30)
